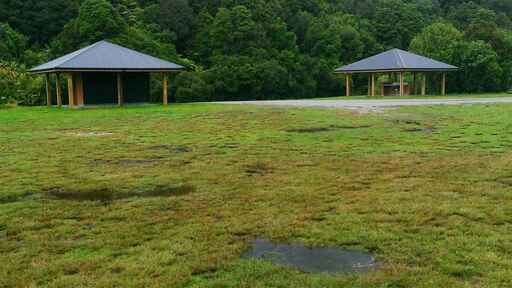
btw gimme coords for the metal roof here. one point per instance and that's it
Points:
(396, 60)
(105, 56)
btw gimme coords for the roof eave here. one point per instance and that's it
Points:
(65, 70)
(396, 70)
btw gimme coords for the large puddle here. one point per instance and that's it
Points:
(313, 260)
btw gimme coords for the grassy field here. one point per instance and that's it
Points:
(171, 197)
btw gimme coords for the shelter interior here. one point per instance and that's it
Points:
(394, 83)
(98, 88)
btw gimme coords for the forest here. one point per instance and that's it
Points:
(259, 49)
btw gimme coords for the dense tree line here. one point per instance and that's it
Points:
(261, 49)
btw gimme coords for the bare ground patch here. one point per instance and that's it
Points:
(86, 134)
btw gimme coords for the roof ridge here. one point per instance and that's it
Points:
(401, 62)
(85, 49)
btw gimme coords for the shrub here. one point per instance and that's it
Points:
(16, 85)
(192, 87)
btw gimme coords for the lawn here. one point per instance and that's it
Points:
(171, 197)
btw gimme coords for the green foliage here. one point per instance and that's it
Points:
(233, 31)
(192, 87)
(480, 70)
(438, 41)
(176, 16)
(12, 43)
(140, 40)
(98, 20)
(16, 85)
(39, 20)
(259, 49)
(479, 63)
(340, 38)
(397, 22)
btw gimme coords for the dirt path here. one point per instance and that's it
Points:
(370, 105)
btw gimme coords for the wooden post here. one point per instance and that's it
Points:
(71, 90)
(424, 85)
(48, 91)
(120, 92)
(402, 84)
(443, 85)
(166, 89)
(369, 84)
(59, 92)
(347, 85)
(79, 89)
(373, 84)
(413, 84)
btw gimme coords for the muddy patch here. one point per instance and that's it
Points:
(406, 121)
(136, 162)
(15, 198)
(504, 180)
(427, 130)
(107, 195)
(168, 191)
(127, 162)
(326, 128)
(102, 195)
(258, 169)
(229, 146)
(171, 148)
(332, 260)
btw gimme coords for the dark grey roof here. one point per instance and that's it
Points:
(105, 56)
(396, 60)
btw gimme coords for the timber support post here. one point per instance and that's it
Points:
(58, 90)
(369, 85)
(424, 85)
(71, 90)
(48, 90)
(120, 91)
(165, 86)
(79, 89)
(402, 82)
(373, 84)
(443, 85)
(413, 88)
(347, 85)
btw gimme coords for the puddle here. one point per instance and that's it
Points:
(330, 260)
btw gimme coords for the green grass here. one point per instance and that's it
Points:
(171, 197)
(449, 96)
